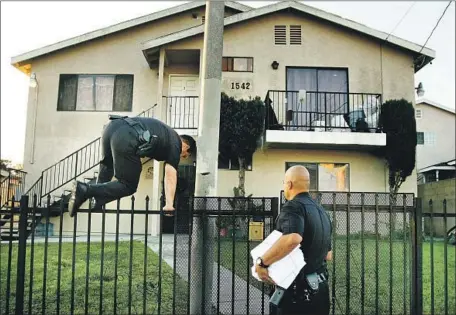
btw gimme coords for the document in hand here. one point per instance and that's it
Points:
(284, 271)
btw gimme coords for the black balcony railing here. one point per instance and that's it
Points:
(182, 111)
(322, 111)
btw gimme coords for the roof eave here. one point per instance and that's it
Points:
(16, 61)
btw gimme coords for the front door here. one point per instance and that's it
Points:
(183, 101)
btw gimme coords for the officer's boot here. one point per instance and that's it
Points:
(78, 197)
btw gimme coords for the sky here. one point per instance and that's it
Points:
(29, 25)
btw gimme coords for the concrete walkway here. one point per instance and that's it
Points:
(241, 302)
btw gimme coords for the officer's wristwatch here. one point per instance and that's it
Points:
(259, 262)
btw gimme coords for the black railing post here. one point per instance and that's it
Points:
(326, 114)
(41, 189)
(417, 264)
(76, 166)
(20, 275)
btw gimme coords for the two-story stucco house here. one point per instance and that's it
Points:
(323, 79)
(435, 125)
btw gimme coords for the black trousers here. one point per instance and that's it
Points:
(319, 303)
(119, 143)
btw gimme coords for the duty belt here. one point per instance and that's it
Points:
(143, 133)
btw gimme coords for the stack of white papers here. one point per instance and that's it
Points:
(284, 271)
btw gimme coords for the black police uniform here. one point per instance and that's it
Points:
(303, 216)
(121, 158)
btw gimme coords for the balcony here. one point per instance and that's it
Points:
(323, 120)
(182, 113)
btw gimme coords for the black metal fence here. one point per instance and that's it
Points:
(385, 260)
(389, 257)
(322, 111)
(108, 261)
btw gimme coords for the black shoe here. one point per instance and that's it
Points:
(78, 196)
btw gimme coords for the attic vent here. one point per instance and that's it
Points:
(203, 19)
(280, 34)
(295, 34)
(418, 113)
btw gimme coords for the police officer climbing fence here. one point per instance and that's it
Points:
(124, 142)
(301, 221)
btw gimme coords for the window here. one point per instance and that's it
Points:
(420, 137)
(429, 138)
(418, 114)
(326, 90)
(295, 35)
(95, 93)
(232, 163)
(237, 64)
(326, 176)
(426, 138)
(280, 34)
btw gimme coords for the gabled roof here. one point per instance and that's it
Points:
(119, 27)
(434, 104)
(445, 166)
(426, 53)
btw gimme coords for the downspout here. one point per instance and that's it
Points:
(34, 84)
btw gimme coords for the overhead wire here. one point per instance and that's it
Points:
(400, 21)
(432, 32)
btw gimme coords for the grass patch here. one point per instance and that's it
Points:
(243, 262)
(95, 276)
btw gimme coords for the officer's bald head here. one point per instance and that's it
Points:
(297, 180)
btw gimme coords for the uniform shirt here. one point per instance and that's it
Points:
(303, 216)
(169, 144)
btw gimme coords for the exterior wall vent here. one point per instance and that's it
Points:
(295, 35)
(280, 34)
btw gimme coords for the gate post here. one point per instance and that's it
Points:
(275, 208)
(416, 299)
(20, 279)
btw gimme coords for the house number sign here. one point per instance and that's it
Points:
(240, 85)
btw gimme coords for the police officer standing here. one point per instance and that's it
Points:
(124, 142)
(303, 222)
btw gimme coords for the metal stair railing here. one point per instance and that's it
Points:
(71, 167)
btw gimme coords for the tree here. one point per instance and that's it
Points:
(241, 125)
(397, 119)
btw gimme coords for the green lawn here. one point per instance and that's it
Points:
(93, 303)
(243, 262)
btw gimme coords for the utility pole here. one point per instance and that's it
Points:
(207, 159)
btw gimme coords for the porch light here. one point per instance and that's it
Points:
(33, 83)
(274, 65)
(419, 90)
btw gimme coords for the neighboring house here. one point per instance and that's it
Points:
(317, 72)
(437, 172)
(435, 125)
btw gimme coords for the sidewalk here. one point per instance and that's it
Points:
(254, 300)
